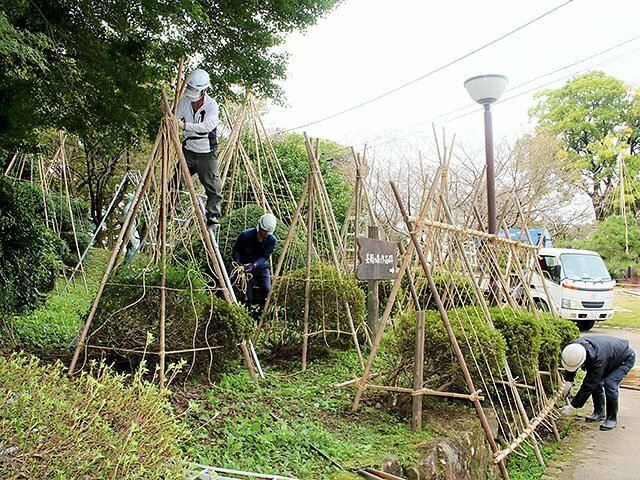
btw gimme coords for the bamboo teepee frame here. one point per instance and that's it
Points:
(165, 148)
(314, 204)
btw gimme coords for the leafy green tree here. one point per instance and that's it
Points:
(95, 68)
(292, 153)
(610, 241)
(593, 115)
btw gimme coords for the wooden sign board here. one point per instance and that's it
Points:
(378, 259)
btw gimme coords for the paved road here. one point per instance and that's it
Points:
(610, 455)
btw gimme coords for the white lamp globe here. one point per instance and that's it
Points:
(486, 89)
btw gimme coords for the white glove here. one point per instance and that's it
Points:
(567, 389)
(179, 124)
(567, 410)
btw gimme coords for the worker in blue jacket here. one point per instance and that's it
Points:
(607, 360)
(252, 250)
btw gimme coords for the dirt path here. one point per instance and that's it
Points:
(597, 455)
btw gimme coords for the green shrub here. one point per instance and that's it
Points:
(327, 312)
(533, 344)
(98, 425)
(522, 332)
(28, 259)
(441, 367)
(195, 318)
(556, 334)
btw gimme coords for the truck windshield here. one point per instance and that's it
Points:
(579, 266)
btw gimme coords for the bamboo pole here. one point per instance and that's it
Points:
(163, 249)
(64, 167)
(307, 278)
(247, 360)
(283, 254)
(500, 456)
(454, 341)
(418, 372)
(133, 209)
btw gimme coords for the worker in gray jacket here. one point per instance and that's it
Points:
(607, 360)
(198, 119)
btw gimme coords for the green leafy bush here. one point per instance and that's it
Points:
(523, 334)
(98, 425)
(556, 334)
(441, 367)
(195, 317)
(28, 259)
(327, 312)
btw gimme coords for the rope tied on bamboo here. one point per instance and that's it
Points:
(239, 277)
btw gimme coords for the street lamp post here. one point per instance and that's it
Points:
(487, 89)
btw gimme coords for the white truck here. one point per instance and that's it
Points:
(578, 286)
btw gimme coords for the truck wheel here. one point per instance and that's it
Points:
(542, 305)
(585, 325)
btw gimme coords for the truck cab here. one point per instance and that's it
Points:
(575, 284)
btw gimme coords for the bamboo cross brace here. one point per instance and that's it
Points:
(533, 424)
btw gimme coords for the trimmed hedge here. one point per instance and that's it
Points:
(326, 308)
(98, 425)
(441, 368)
(29, 251)
(129, 311)
(527, 343)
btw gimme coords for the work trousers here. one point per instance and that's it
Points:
(206, 166)
(262, 280)
(612, 381)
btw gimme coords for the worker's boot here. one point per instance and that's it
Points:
(598, 406)
(612, 415)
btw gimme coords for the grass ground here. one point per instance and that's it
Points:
(269, 427)
(56, 322)
(627, 312)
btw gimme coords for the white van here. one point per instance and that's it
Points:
(578, 286)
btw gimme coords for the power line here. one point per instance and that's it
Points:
(471, 105)
(436, 70)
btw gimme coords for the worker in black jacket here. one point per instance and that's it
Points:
(607, 360)
(251, 251)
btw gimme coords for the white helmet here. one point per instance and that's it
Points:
(267, 223)
(197, 81)
(573, 356)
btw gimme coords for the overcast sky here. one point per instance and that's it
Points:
(367, 47)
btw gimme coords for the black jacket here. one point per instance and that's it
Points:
(248, 249)
(604, 353)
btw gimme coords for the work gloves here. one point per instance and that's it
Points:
(179, 124)
(248, 268)
(566, 391)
